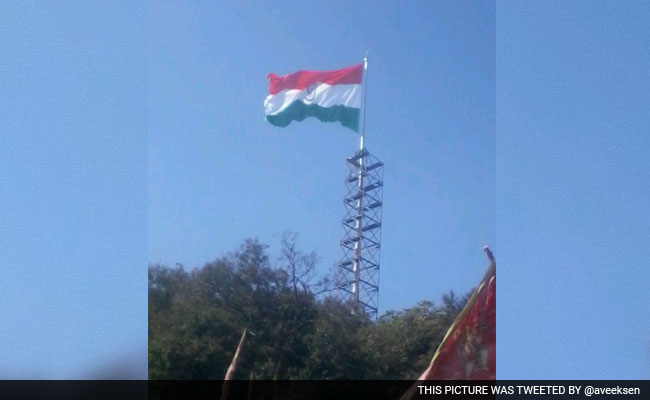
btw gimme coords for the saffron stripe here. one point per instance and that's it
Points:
(303, 79)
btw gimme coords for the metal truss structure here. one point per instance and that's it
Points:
(361, 242)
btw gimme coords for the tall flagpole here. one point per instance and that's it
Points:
(356, 266)
(361, 243)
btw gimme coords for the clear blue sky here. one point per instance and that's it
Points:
(73, 188)
(218, 173)
(573, 189)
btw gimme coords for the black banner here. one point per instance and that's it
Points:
(306, 390)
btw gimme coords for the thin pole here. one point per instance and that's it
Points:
(235, 358)
(356, 266)
(225, 389)
(363, 105)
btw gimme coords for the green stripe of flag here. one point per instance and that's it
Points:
(298, 111)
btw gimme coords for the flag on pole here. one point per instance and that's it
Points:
(468, 350)
(327, 95)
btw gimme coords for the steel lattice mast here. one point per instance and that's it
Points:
(361, 242)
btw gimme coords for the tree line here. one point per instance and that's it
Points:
(298, 328)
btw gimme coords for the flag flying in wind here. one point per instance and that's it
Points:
(327, 95)
(468, 350)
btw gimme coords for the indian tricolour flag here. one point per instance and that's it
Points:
(327, 95)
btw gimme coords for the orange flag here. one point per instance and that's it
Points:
(468, 350)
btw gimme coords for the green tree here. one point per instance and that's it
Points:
(297, 330)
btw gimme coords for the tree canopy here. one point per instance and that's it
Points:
(299, 330)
